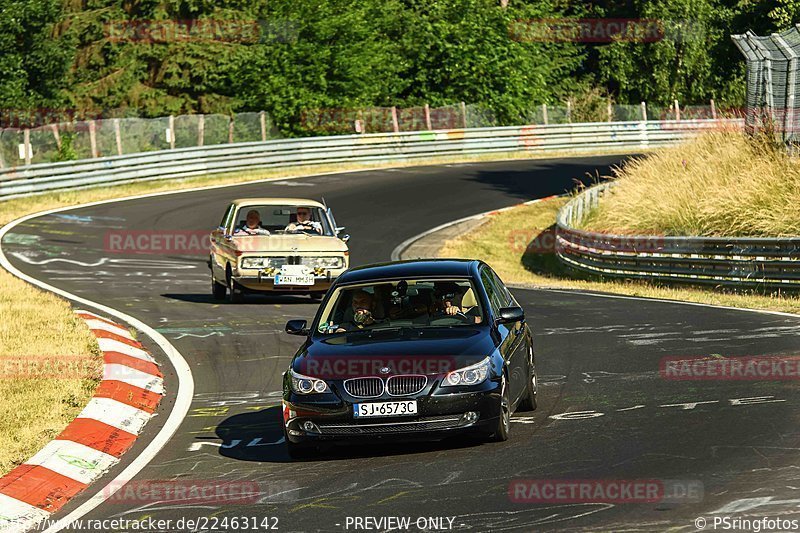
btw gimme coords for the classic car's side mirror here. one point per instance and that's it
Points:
(345, 237)
(510, 314)
(296, 327)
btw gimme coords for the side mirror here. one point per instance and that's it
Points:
(296, 327)
(510, 314)
(345, 238)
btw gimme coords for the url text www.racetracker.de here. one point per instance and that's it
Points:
(201, 523)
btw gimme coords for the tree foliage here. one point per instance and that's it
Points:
(288, 56)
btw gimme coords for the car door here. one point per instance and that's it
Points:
(506, 337)
(515, 333)
(220, 243)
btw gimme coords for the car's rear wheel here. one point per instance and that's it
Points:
(528, 402)
(503, 427)
(316, 296)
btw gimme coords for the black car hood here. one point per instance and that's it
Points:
(430, 351)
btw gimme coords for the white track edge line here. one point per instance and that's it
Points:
(183, 397)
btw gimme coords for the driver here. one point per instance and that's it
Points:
(304, 222)
(251, 225)
(448, 297)
(360, 313)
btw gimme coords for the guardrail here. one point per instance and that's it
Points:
(743, 262)
(379, 147)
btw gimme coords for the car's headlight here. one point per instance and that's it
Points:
(323, 262)
(471, 375)
(305, 385)
(257, 262)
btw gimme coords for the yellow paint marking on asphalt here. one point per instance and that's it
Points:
(399, 494)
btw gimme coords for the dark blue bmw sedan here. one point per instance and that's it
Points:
(408, 350)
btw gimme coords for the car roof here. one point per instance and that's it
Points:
(435, 268)
(277, 201)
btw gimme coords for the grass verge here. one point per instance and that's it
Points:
(518, 244)
(50, 366)
(720, 184)
(40, 331)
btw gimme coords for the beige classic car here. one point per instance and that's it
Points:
(276, 245)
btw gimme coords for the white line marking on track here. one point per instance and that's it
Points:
(183, 396)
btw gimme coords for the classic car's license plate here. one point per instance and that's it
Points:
(294, 279)
(364, 410)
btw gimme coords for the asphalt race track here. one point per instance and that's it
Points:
(595, 355)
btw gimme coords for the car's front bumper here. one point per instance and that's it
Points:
(260, 282)
(439, 416)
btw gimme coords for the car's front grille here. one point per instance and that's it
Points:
(364, 387)
(423, 424)
(405, 385)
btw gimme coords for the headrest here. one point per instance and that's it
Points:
(468, 300)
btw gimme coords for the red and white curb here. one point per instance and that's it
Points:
(125, 400)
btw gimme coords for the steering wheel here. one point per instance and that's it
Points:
(459, 317)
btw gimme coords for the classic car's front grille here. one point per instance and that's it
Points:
(422, 424)
(404, 385)
(364, 387)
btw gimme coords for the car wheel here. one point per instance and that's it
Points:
(316, 296)
(504, 420)
(528, 402)
(218, 290)
(235, 294)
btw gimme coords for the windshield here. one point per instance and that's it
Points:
(417, 303)
(280, 220)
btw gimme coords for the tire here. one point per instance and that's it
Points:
(218, 290)
(528, 402)
(503, 427)
(235, 295)
(316, 296)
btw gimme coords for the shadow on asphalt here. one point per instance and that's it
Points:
(259, 437)
(259, 299)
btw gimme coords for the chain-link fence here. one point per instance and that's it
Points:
(772, 83)
(102, 137)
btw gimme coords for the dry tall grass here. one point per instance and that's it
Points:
(49, 368)
(719, 184)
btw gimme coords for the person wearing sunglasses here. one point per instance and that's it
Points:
(304, 224)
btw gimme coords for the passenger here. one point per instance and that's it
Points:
(304, 222)
(252, 225)
(360, 313)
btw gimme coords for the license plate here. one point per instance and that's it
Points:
(294, 279)
(365, 410)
